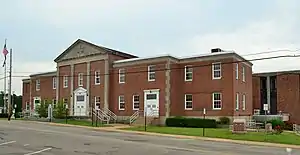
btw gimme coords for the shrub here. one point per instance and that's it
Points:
(3, 115)
(224, 120)
(191, 122)
(277, 125)
(288, 126)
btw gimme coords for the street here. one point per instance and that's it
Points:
(29, 138)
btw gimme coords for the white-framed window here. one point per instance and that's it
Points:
(37, 85)
(237, 71)
(97, 102)
(217, 101)
(188, 70)
(216, 70)
(237, 101)
(151, 73)
(122, 75)
(65, 101)
(27, 106)
(121, 102)
(136, 102)
(54, 103)
(65, 79)
(188, 101)
(54, 82)
(97, 77)
(243, 74)
(244, 102)
(80, 79)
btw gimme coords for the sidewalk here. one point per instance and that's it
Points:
(117, 128)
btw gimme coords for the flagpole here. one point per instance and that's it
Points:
(9, 86)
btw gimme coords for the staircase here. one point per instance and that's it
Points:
(138, 118)
(101, 115)
(113, 117)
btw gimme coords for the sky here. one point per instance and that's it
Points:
(38, 31)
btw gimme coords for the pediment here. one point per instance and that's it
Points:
(80, 90)
(79, 49)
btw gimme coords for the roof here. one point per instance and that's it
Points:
(43, 73)
(185, 58)
(112, 51)
(276, 72)
(26, 80)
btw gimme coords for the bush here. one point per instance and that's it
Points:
(277, 125)
(191, 122)
(3, 115)
(288, 126)
(224, 120)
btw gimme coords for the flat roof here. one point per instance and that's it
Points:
(43, 73)
(276, 72)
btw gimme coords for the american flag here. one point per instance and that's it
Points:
(5, 52)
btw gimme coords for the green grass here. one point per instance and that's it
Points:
(284, 138)
(81, 123)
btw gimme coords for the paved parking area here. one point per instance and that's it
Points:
(26, 138)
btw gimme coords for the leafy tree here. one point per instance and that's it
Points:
(42, 109)
(59, 111)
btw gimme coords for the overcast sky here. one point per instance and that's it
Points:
(38, 31)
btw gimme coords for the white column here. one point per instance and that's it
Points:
(72, 90)
(168, 89)
(88, 71)
(106, 84)
(268, 93)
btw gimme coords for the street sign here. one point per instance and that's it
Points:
(266, 107)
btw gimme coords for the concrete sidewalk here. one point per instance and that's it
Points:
(119, 127)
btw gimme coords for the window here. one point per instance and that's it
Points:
(54, 103)
(38, 85)
(217, 101)
(237, 101)
(237, 71)
(216, 70)
(136, 102)
(151, 96)
(97, 77)
(121, 75)
(243, 74)
(151, 73)
(80, 79)
(244, 102)
(65, 81)
(54, 82)
(188, 73)
(188, 101)
(65, 102)
(121, 102)
(80, 98)
(27, 106)
(97, 102)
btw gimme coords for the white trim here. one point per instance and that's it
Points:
(97, 102)
(119, 101)
(121, 75)
(213, 100)
(80, 79)
(133, 102)
(236, 71)
(243, 74)
(54, 82)
(37, 85)
(185, 101)
(244, 101)
(54, 103)
(220, 70)
(97, 76)
(237, 101)
(152, 72)
(188, 72)
(65, 81)
(151, 90)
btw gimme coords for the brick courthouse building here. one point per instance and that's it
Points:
(91, 76)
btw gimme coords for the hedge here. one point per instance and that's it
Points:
(191, 122)
(3, 115)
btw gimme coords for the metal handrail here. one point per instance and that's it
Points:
(134, 116)
(110, 114)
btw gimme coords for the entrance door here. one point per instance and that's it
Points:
(80, 105)
(151, 103)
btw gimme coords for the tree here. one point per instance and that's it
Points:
(42, 109)
(60, 110)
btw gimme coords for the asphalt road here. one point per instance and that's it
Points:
(27, 138)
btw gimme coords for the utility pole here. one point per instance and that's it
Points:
(4, 97)
(9, 86)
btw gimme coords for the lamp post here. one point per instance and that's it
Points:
(204, 113)
(66, 113)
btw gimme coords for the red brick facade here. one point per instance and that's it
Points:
(170, 85)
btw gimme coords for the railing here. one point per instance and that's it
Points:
(101, 115)
(134, 116)
(112, 115)
(296, 129)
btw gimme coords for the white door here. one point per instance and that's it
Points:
(151, 103)
(80, 105)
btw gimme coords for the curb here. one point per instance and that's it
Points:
(115, 129)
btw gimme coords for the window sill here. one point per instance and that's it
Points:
(217, 109)
(188, 109)
(217, 78)
(121, 109)
(97, 83)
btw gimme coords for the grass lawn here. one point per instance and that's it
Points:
(284, 138)
(81, 123)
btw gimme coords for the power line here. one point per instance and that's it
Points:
(175, 68)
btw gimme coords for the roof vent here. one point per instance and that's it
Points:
(214, 50)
